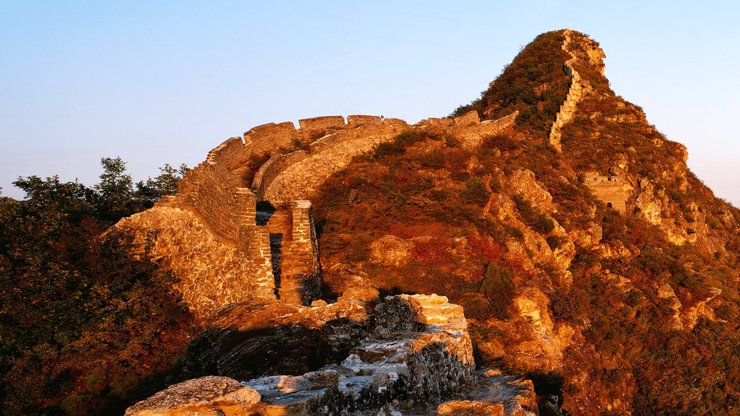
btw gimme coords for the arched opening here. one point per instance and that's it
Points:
(609, 205)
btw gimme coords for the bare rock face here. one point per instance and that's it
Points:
(524, 184)
(202, 396)
(418, 352)
(494, 393)
(545, 346)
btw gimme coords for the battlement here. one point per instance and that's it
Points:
(322, 123)
(243, 156)
(215, 214)
(357, 120)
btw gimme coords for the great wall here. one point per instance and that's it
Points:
(575, 93)
(240, 236)
(241, 225)
(249, 203)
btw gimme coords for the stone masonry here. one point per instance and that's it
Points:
(578, 88)
(613, 190)
(223, 249)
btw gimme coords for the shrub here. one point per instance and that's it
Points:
(502, 142)
(475, 191)
(553, 242)
(389, 149)
(434, 250)
(498, 288)
(543, 224)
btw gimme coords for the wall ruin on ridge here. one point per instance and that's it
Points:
(227, 242)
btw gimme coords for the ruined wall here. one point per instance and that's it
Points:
(611, 190)
(300, 280)
(237, 154)
(301, 178)
(578, 88)
(358, 119)
(468, 128)
(321, 123)
(217, 196)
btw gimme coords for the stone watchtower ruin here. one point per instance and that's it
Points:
(276, 243)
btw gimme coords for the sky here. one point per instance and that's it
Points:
(158, 82)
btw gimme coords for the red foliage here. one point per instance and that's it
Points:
(433, 250)
(426, 228)
(484, 248)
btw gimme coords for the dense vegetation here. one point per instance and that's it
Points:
(635, 347)
(83, 327)
(535, 84)
(426, 189)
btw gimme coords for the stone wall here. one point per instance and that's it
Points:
(269, 260)
(210, 271)
(215, 194)
(300, 281)
(578, 88)
(321, 123)
(612, 190)
(267, 173)
(356, 120)
(301, 177)
(294, 252)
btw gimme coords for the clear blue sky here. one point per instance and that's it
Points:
(165, 81)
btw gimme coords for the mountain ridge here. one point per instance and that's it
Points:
(551, 185)
(588, 259)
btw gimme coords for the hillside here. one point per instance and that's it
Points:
(588, 260)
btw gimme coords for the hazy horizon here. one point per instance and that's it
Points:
(165, 82)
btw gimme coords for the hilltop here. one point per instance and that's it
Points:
(588, 260)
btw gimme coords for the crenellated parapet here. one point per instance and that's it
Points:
(298, 175)
(241, 225)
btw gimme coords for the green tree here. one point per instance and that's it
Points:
(164, 184)
(115, 190)
(65, 300)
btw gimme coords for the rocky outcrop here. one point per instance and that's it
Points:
(419, 352)
(210, 395)
(544, 347)
(245, 340)
(413, 352)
